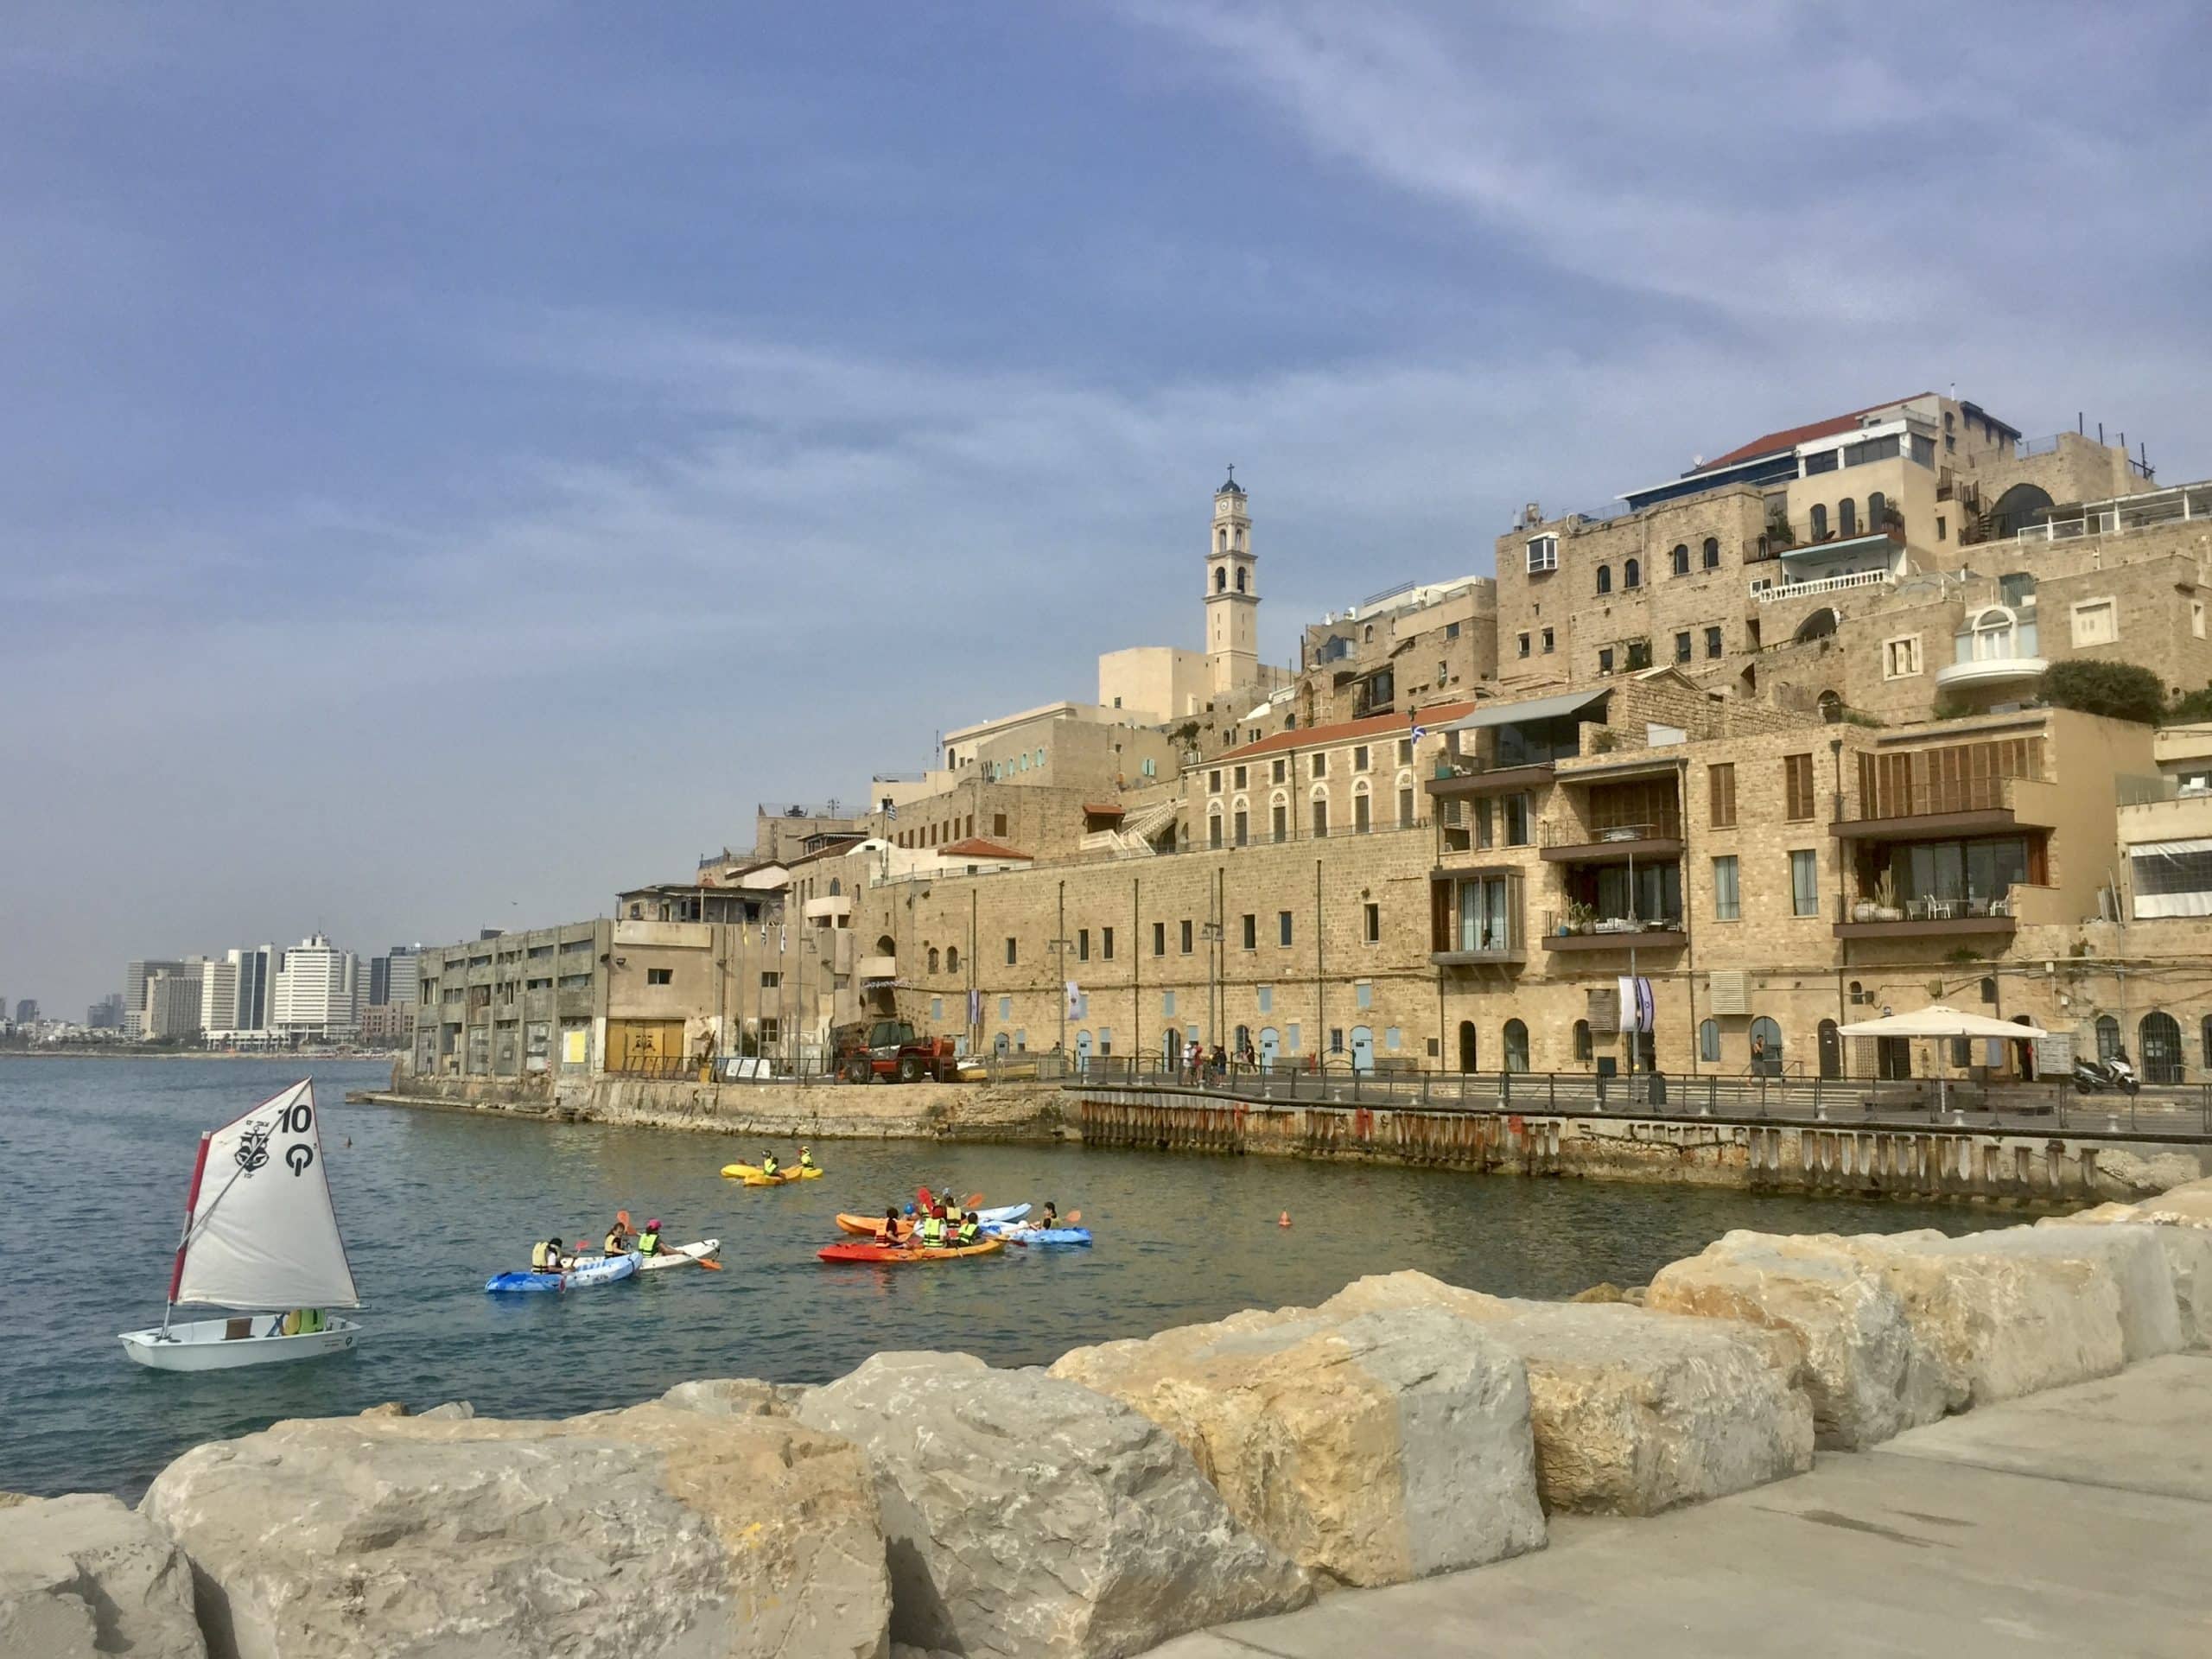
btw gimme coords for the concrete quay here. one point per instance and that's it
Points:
(2077, 1520)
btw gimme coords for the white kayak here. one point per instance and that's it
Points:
(243, 1339)
(675, 1255)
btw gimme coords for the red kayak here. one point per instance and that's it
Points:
(899, 1253)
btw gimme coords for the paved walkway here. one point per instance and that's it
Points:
(2077, 1522)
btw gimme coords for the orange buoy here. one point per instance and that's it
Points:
(1283, 1220)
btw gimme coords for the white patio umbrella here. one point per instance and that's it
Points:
(1937, 1020)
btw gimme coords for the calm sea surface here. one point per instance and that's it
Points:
(95, 1156)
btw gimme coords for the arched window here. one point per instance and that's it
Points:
(1847, 517)
(1766, 1048)
(951, 958)
(933, 958)
(1213, 829)
(1681, 559)
(1367, 636)
(2107, 1036)
(1820, 625)
(1516, 1047)
(832, 887)
(1632, 575)
(1988, 990)
(1877, 506)
(1708, 1041)
(1712, 553)
(1583, 1046)
(1605, 578)
(1221, 539)
(2161, 1048)
(1240, 579)
(1831, 1049)
(1220, 581)
(1819, 516)
(1831, 707)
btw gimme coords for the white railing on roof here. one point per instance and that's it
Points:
(2184, 504)
(1768, 593)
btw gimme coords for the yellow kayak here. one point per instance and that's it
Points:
(752, 1175)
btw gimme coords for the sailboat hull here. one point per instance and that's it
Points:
(225, 1345)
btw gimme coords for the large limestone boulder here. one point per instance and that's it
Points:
(735, 1397)
(82, 1575)
(1372, 1450)
(1865, 1375)
(1995, 1324)
(2187, 1205)
(1033, 1518)
(1633, 1411)
(2150, 1317)
(2188, 1251)
(654, 1531)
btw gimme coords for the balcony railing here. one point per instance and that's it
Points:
(1557, 925)
(1569, 832)
(2150, 510)
(1771, 593)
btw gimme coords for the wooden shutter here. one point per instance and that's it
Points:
(1722, 779)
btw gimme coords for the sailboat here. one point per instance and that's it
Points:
(259, 1235)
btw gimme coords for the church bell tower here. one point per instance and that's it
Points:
(1232, 593)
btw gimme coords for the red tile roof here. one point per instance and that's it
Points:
(1790, 436)
(1346, 731)
(978, 847)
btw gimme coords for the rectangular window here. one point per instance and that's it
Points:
(1266, 994)
(1186, 936)
(1804, 884)
(1942, 529)
(1450, 630)
(1901, 658)
(1213, 831)
(1006, 1008)
(1167, 1004)
(1371, 922)
(2096, 622)
(937, 1008)
(1547, 642)
(1639, 654)
(1282, 925)
(1797, 787)
(1281, 824)
(1522, 640)
(1280, 771)
(1713, 642)
(1520, 820)
(1240, 777)
(1721, 781)
(1682, 646)
(1010, 953)
(659, 975)
(1404, 751)
(1485, 829)
(1543, 553)
(1290, 1038)
(1213, 780)
(1106, 944)
(1251, 931)
(1405, 806)
(771, 982)
(1604, 659)
(1359, 758)
(1160, 938)
(1361, 820)
(1363, 993)
(1320, 764)
(1082, 945)
(1320, 818)
(1242, 826)
(998, 824)
(1727, 898)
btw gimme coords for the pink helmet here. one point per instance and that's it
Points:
(652, 1226)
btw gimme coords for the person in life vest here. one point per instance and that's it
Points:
(616, 1240)
(805, 1158)
(932, 1231)
(887, 1230)
(649, 1241)
(302, 1322)
(953, 1212)
(546, 1257)
(969, 1232)
(1050, 1218)
(769, 1166)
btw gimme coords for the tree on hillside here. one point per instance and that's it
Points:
(2116, 690)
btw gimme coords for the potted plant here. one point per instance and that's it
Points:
(1863, 910)
(1581, 918)
(1886, 898)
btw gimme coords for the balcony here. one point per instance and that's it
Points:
(1773, 593)
(1571, 842)
(1457, 778)
(1475, 919)
(1932, 918)
(836, 907)
(1935, 808)
(1990, 670)
(884, 968)
(1505, 953)
(1613, 933)
(1999, 648)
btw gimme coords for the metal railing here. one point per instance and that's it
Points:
(2175, 1112)
(1568, 832)
(1558, 924)
(1769, 593)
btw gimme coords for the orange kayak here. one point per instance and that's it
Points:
(894, 1254)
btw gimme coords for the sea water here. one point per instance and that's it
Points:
(96, 1156)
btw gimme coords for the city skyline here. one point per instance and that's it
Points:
(361, 413)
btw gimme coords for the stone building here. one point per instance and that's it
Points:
(1420, 643)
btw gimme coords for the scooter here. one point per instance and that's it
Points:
(2097, 1076)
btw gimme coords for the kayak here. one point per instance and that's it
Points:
(752, 1175)
(676, 1256)
(1041, 1234)
(602, 1270)
(866, 1225)
(893, 1254)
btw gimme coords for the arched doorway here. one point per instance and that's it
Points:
(1270, 1046)
(2023, 1051)
(1467, 1045)
(1082, 1051)
(1362, 1049)
(999, 1045)
(2160, 1036)
(1766, 1048)
(1831, 707)
(1171, 1050)
(2019, 507)
(1893, 1059)
(1820, 625)
(1584, 1049)
(1516, 1047)
(1242, 1041)
(1831, 1049)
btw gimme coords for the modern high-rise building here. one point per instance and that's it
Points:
(172, 1010)
(255, 966)
(106, 1014)
(218, 994)
(393, 976)
(26, 1011)
(316, 990)
(134, 991)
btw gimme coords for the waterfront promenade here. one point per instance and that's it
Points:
(2077, 1521)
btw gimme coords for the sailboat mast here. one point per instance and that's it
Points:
(184, 1242)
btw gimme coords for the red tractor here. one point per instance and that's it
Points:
(889, 1049)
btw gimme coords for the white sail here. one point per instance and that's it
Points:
(262, 1233)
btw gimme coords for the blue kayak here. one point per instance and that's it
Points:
(604, 1271)
(1042, 1234)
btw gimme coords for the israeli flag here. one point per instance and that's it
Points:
(1419, 733)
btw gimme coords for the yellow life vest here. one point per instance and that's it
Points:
(933, 1231)
(648, 1243)
(806, 1160)
(612, 1242)
(769, 1166)
(541, 1259)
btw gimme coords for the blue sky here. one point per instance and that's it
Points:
(459, 458)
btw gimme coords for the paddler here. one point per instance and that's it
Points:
(969, 1231)
(1050, 1218)
(769, 1167)
(649, 1241)
(617, 1240)
(933, 1232)
(953, 1212)
(887, 1230)
(805, 1158)
(546, 1257)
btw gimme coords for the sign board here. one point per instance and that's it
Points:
(2054, 1054)
(574, 1047)
(1604, 1012)
(1730, 991)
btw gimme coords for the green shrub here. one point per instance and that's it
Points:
(2194, 706)
(2116, 690)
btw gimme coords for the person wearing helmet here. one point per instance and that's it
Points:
(617, 1239)
(649, 1241)
(805, 1158)
(769, 1167)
